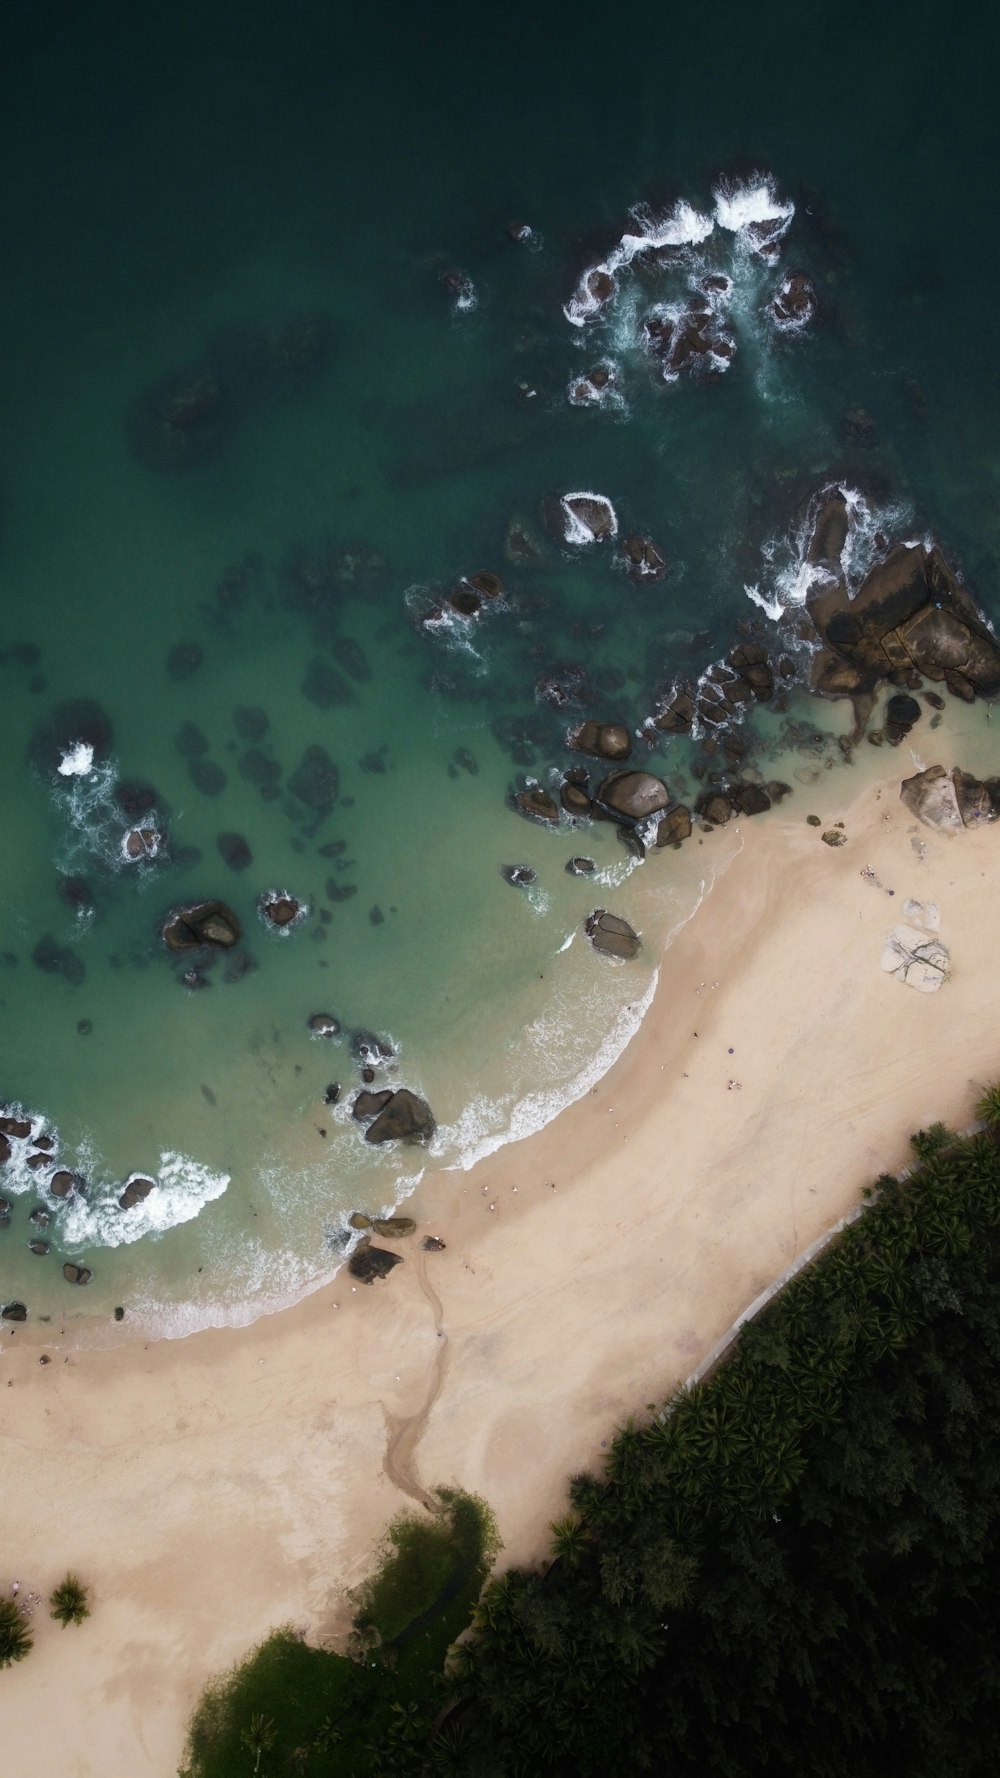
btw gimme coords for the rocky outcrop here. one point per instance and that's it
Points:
(675, 826)
(368, 1105)
(323, 1024)
(77, 1274)
(394, 1228)
(368, 1263)
(794, 302)
(643, 561)
(949, 801)
(14, 1312)
(693, 342)
(916, 959)
(15, 1126)
(404, 1118)
(201, 923)
(280, 908)
(136, 1191)
(714, 807)
(633, 796)
(603, 740)
(520, 875)
(537, 804)
(581, 518)
(611, 935)
(581, 867)
(911, 615)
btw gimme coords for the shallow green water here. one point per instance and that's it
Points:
(178, 179)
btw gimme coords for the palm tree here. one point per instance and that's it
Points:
(259, 1736)
(68, 1604)
(569, 1539)
(15, 1641)
(988, 1109)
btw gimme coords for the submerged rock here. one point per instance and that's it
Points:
(315, 780)
(207, 777)
(612, 935)
(250, 722)
(406, 1118)
(368, 1263)
(201, 923)
(184, 659)
(235, 850)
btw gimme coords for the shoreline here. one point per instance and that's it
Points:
(245, 1475)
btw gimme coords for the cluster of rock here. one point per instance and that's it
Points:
(394, 1116)
(950, 801)
(369, 1262)
(725, 693)
(910, 619)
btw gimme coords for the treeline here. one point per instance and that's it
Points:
(792, 1568)
(795, 1569)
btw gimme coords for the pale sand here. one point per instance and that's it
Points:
(213, 1487)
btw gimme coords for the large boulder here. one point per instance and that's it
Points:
(694, 341)
(580, 518)
(677, 715)
(922, 962)
(280, 908)
(612, 935)
(714, 807)
(603, 740)
(674, 827)
(393, 1228)
(633, 796)
(201, 923)
(948, 801)
(405, 1118)
(136, 1191)
(643, 560)
(368, 1263)
(537, 804)
(368, 1105)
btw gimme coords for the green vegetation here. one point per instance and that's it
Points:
(304, 1711)
(794, 1567)
(68, 1604)
(15, 1642)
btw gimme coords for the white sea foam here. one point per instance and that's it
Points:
(739, 204)
(487, 1124)
(790, 579)
(78, 761)
(182, 1189)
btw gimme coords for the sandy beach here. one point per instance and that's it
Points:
(211, 1488)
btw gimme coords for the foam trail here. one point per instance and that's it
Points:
(741, 204)
(184, 1186)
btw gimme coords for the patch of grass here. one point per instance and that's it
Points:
(332, 1716)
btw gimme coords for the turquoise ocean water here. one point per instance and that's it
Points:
(260, 203)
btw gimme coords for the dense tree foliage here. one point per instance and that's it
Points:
(68, 1604)
(795, 1567)
(15, 1639)
(307, 1712)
